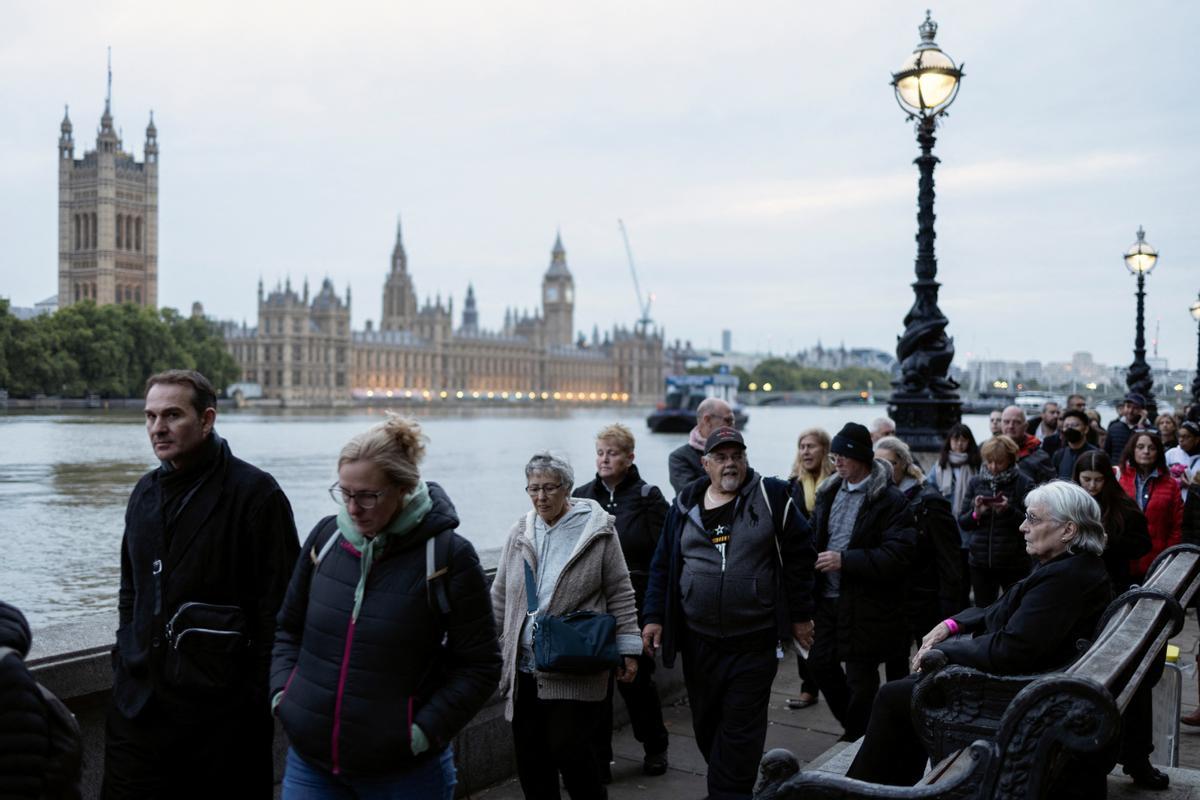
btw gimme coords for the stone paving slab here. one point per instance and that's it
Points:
(812, 734)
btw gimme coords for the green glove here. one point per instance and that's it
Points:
(419, 742)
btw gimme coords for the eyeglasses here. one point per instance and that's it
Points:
(719, 457)
(547, 489)
(365, 500)
(1033, 519)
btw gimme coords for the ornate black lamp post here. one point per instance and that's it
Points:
(925, 400)
(1140, 258)
(1195, 309)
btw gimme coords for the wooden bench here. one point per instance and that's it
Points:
(1009, 737)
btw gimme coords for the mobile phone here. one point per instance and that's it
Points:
(992, 500)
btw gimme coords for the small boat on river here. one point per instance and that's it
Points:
(677, 411)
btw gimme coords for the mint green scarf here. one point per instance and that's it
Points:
(414, 507)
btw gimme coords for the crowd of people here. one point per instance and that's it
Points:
(376, 638)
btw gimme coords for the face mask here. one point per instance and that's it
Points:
(1073, 435)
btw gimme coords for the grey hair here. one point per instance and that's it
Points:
(894, 445)
(1068, 502)
(883, 423)
(547, 462)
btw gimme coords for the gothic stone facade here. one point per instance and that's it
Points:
(303, 351)
(107, 219)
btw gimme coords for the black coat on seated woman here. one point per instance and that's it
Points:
(1032, 628)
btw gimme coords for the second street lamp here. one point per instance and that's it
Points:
(1195, 309)
(925, 400)
(1140, 258)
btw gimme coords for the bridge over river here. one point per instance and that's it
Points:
(814, 397)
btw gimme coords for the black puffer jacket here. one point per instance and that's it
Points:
(875, 567)
(639, 510)
(996, 538)
(351, 690)
(24, 729)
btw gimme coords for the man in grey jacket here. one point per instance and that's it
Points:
(731, 577)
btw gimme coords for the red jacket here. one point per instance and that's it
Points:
(1164, 515)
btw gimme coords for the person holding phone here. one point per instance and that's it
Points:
(992, 515)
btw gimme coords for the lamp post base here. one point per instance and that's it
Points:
(922, 421)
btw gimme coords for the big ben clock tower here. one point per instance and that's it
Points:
(558, 297)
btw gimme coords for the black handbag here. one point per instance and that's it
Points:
(581, 641)
(206, 645)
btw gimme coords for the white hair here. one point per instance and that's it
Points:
(1068, 502)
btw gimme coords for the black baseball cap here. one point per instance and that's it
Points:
(723, 435)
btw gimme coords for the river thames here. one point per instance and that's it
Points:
(65, 477)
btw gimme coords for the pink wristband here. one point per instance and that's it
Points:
(951, 625)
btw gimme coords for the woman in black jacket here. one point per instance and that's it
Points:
(994, 509)
(1124, 522)
(380, 660)
(1032, 628)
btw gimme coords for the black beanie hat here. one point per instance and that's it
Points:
(854, 441)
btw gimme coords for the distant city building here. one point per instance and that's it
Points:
(107, 218)
(47, 306)
(727, 341)
(303, 352)
(822, 357)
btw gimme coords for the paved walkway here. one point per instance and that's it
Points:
(812, 731)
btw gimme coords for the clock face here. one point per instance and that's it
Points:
(552, 294)
(570, 295)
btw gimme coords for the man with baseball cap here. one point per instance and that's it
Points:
(732, 576)
(1133, 418)
(865, 538)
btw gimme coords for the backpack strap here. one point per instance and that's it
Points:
(321, 548)
(437, 571)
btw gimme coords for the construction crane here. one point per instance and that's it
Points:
(644, 321)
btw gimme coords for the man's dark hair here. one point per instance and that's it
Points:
(1079, 415)
(203, 394)
(1071, 397)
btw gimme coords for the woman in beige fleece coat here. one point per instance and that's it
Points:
(573, 550)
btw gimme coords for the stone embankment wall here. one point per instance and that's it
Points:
(73, 660)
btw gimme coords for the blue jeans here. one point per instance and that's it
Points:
(434, 778)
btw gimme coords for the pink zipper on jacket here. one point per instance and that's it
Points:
(337, 703)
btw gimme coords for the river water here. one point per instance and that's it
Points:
(65, 478)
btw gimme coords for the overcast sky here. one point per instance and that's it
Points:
(754, 150)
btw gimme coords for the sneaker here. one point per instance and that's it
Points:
(655, 764)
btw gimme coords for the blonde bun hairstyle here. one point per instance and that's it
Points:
(396, 447)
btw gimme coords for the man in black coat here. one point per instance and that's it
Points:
(865, 539)
(684, 465)
(640, 510)
(208, 550)
(1073, 429)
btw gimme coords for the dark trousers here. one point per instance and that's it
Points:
(808, 684)
(159, 755)
(987, 582)
(891, 753)
(1137, 723)
(552, 737)
(645, 714)
(729, 694)
(849, 691)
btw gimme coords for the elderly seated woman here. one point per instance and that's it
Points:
(572, 549)
(1032, 628)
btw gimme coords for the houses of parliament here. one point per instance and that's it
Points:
(303, 351)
